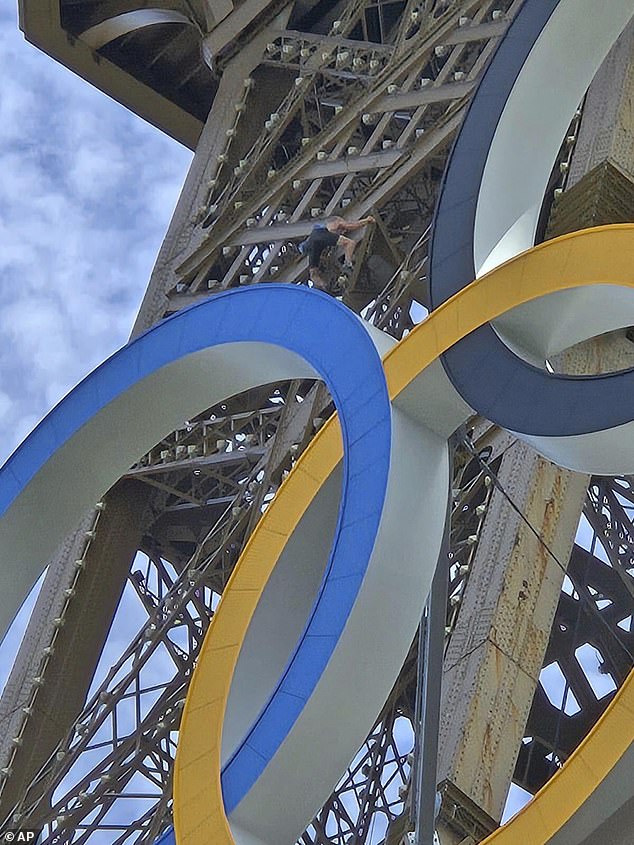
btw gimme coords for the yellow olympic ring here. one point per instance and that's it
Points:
(603, 256)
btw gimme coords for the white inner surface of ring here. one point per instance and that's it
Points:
(281, 614)
(285, 605)
(569, 50)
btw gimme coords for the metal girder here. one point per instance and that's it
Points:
(227, 33)
(402, 72)
(596, 602)
(63, 668)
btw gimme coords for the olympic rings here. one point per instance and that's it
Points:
(175, 362)
(575, 261)
(284, 656)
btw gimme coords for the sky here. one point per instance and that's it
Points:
(86, 193)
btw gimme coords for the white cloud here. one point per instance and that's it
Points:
(86, 193)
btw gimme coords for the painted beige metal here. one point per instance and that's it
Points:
(606, 133)
(231, 26)
(183, 229)
(496, 651)
(40, 22)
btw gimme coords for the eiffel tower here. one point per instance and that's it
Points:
(298, 111)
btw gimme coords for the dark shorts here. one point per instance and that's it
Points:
(319, 240)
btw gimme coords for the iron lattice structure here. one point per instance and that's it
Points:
(360, 119)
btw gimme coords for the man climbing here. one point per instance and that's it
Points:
(325, 235)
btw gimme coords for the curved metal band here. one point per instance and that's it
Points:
(579, 260)
(176, 367)
(488, 210)
(108, 30)
(183, 365)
